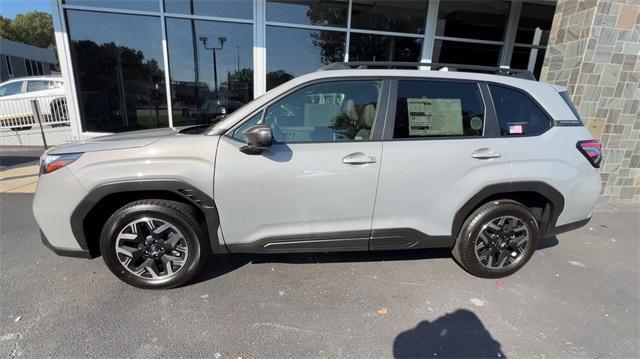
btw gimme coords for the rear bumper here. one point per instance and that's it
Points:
(77, 253)
(567, 227)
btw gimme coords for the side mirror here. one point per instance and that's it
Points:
(258, 138)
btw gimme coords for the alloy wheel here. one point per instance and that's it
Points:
(501, 242)
(151, 248)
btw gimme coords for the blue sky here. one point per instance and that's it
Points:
(9, 8)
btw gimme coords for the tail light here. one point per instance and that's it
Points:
(51, 163)
(592, 150)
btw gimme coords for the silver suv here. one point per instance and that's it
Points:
(344, 159)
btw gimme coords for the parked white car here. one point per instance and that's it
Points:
(16, 96)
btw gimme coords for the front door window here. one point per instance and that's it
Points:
(335, 111)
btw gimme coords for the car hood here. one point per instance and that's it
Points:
(115, 142)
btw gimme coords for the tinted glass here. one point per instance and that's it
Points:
(477, 19)
(330, 111)
(209, 82)
(389, 15)
(144, 5)
(436, 109)
(37, 85)
(365, 47)
(567, 99)
(9, 67)
(27, 65)
(517, 114)
(294, 52)
(528, 59)
(457, 52)
(309, 12)
(11, 89)
(242, 9)
(238, 134)
(40, 68)
(535, 23)
(118, 64)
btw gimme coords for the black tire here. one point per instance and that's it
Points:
(464, 250)
(179, 215)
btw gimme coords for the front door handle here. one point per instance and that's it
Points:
(358, 158)
(485, 153)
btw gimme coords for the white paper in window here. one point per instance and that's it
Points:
(434, 117)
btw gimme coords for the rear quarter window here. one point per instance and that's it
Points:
(567, 99)
(518, 114)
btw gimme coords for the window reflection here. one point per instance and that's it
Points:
(534, 24)
(242, 9)
(143, 5)
(365, 47)
(475, 19)
(211, 69)
(458, 52)
(309, 12)
(119, 73)
(528, 59)
(387, 15)
(294, 52)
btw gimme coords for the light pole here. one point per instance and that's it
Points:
(213, 49)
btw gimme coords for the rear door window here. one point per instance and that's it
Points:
(427, 108)
(518, 114)
(37, 85)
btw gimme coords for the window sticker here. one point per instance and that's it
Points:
(516, 128)
(429, 117)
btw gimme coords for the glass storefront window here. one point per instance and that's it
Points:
(525, 58)
(294, 52)
(535, 24)
(309, 12)
(458, 52)
(365, 47)
(241, 9)
(484, 20)
(211, 69)
(389, 15)
(142, 5)
(119, 71)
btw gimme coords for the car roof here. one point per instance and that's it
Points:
(544, 93)
(31, 78)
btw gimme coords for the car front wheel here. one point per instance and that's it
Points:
(497, 239)
(153, 244)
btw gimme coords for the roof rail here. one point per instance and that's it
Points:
(523, 74)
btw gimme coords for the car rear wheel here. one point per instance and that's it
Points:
(154, 244)
(497, 239)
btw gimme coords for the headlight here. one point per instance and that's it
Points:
(51, 163)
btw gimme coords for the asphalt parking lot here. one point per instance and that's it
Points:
(579, 296)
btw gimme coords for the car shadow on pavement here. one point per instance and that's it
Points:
(225, 263)
(460, 334)
(549, 242)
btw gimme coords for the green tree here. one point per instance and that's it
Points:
(33, 28)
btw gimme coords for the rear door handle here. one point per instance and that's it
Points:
(485, 153)
(358, 158)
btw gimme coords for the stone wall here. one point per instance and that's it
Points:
(594, 48)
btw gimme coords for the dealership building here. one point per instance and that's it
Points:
(155, 63)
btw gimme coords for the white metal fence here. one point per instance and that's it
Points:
(28, 112)
(22, 118)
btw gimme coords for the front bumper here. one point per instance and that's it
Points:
(57, 195)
